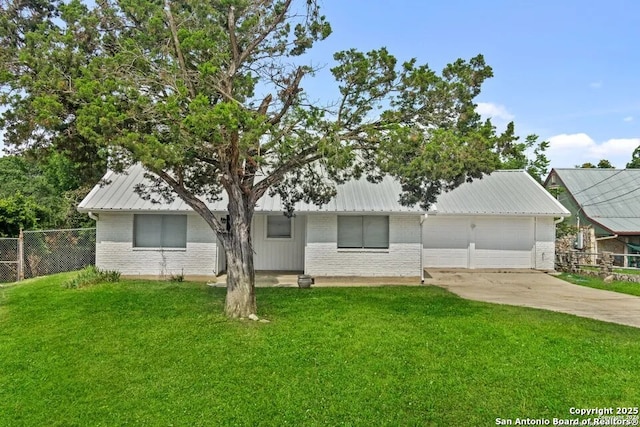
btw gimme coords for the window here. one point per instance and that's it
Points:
(279, 227)
(368, 232)
(160, 231)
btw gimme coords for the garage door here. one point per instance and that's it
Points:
(478, 242)
(504, 242)
(446, 242)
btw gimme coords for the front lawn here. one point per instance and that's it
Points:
(145, 353)
(596, 282)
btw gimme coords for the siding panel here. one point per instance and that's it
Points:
(278, 254)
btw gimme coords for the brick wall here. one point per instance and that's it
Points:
(402, 258)
(114, 250)
(545, 243)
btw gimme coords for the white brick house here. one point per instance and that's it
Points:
(505, 220)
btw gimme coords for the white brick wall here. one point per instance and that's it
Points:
(545, 243)
(323, 258)
(114, 249)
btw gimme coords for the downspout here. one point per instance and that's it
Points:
(558, 221)
(92, 216)
(422, 218)
(615, 236)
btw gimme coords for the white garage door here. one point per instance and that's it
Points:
(478, 242)
(504, 242)
(446, 242)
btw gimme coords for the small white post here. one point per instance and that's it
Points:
(21, 256)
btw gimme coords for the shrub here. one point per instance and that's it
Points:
(92, 276)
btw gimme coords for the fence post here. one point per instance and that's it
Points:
(573, 262)
(20, 256)
(606, 264)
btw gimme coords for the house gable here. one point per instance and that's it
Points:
(609, 199)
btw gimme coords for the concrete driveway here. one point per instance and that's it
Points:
(535, 289)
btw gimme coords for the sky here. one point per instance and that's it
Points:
(565, 70)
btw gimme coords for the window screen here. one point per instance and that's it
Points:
(278, 227)
(160, 231)
(370, 232)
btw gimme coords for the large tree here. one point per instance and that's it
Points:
(208, 96)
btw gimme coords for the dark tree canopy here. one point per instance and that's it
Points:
(602, 164)
(635, 159)
(528, 155)
(209, 97)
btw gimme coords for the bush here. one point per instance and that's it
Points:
(92, 276)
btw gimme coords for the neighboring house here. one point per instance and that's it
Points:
(608, 200)
(505, 220)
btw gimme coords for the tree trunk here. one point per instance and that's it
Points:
(241, 278)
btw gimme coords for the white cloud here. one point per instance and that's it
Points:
(628, 119)
(569, 150)
(494, 111)
(595, 85)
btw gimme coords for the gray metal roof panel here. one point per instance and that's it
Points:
(506, 192)
(610, 197)
(501, 193)
(354, 196)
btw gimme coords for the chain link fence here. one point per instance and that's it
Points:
(8, 259)
(46, 252)
(55, 251)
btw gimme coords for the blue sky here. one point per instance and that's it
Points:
(566, 70)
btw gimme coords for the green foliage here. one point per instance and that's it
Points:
(602, 164)
(605, 164)
(199, 116)
(635, 159)
(19, 212)
(565, 228)
(51, 185)
(40, 83)
(157, 353)
(529, 155)
(91, 276)
(209, 95)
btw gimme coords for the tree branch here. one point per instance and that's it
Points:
(195, 203)
(299, 160)
(176, 43)
(255, 43)
(264, 105)
(235, 49)
(290, 94)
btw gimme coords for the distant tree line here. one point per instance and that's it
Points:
(41, 189)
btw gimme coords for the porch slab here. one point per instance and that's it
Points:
(290, 279)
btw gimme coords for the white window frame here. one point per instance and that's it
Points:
(162, 217)
(266, 228)
(363, 246)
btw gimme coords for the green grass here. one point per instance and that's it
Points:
(596, 282)
(145, 353)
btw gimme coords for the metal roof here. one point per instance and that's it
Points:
(609, 197)
(504, 192)
(501, 193)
